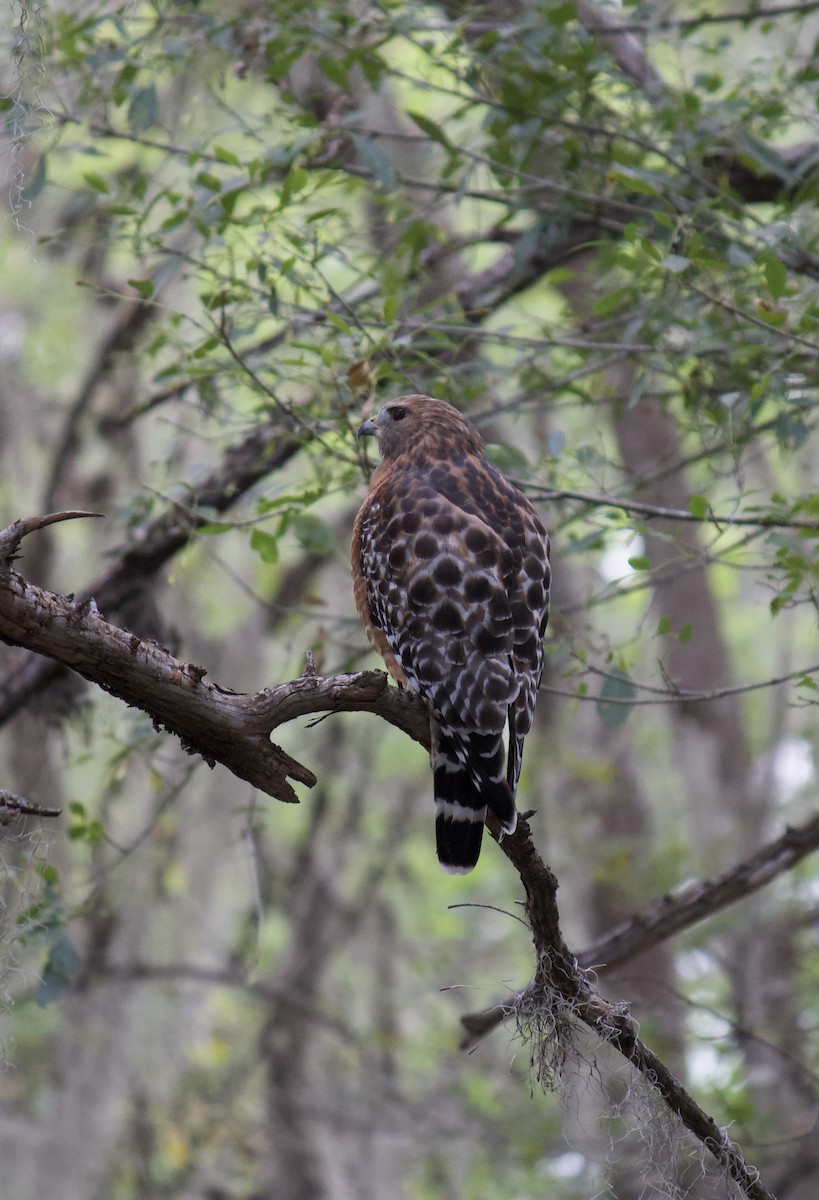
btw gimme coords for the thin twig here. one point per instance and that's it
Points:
(663, 696)
(593, 500)
(744, 16)
(17, 805)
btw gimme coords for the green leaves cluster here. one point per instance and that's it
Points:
(256, 199)
(42, 925)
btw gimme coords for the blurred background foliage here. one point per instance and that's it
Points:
(232, 228)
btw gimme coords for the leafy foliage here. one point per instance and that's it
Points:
(235, 217)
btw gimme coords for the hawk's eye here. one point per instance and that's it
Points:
(398, 413)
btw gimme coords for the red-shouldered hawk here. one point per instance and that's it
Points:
(451, 572)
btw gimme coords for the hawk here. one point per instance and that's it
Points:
(451, 574)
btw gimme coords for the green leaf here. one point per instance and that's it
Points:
(267, 504)
(61, 968)
(265, 545)
(685, 632)
(334, 70)
(617, 687)
(97, 182)
(295, 181)
(212, 182)
(763, 156)
(143, 111)
(560, 14)
(611, 302)
(663, 625)
(589, 541)
(215, 527)
(791, 431)
(205, 347)
(337, 322)
(634, 182)
(144, 286)
(698, 506)
(770, 315)
(227, 156)
(431, 128)
(640, 562)
(776, 274)
(227, 200)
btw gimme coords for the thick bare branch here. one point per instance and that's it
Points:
(220, 725)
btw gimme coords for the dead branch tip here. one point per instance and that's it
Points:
(73, 514)
(12, 535)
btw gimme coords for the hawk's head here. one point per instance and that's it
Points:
(422, 426)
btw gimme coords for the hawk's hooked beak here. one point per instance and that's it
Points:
(368, 428)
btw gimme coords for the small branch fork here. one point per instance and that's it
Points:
(234, 729)
(667, 916)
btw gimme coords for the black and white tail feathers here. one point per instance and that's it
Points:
(469, 778)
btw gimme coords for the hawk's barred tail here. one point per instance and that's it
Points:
(459, 816)
(462, 796)
(486, 763)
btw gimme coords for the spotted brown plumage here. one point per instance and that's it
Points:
(451, 576)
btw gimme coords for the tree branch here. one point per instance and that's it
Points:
(703, 898)
(623, 47)
(132, 319)
(221, 725)
(675, 695)
(559, 977)
(12, 806)
(744, 16)
(763, 521)
(670, 915)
